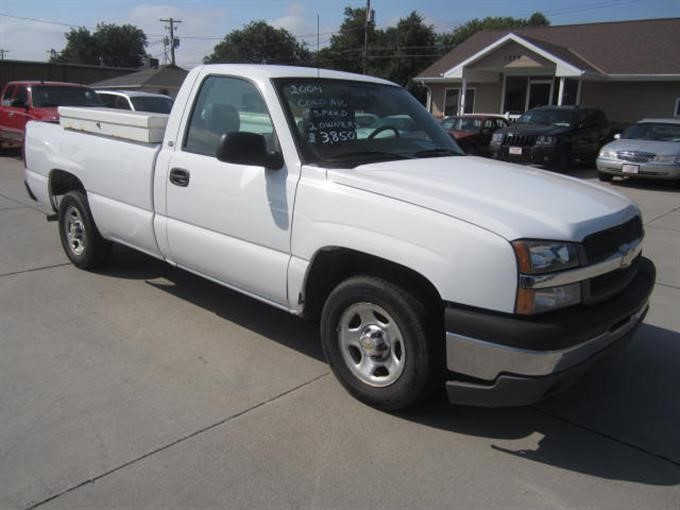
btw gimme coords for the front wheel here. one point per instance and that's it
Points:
(82, 242)
(604, 177)
(375, 338)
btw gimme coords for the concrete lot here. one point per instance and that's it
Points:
(143, 386)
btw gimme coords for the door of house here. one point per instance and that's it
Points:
(539, 93)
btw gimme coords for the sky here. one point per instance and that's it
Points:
(205, 23)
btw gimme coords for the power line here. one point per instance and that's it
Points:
(174, 43)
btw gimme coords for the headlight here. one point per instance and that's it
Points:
(607, 154)
(544, 300)
(540, 257)
(535, 257)
(497, 137)
(546, 140)
(667, 159)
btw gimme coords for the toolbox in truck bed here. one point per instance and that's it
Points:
(137, 126)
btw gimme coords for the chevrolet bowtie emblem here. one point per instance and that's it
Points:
(627, 252)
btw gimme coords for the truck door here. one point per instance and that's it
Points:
(18, 115)
(229, 222)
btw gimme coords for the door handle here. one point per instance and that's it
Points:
(179, 177)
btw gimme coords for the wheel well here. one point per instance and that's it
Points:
(333, 265)
(60, 183)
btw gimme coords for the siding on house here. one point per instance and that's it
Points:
(628, 102)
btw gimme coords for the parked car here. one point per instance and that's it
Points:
(649, 149)
(23, 101)
(553, 136)
(421, 266)
(473, 132)
(136, 101)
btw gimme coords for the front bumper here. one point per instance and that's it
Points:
(645, 170)
(507, 360)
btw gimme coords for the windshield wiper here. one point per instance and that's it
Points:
(433, 153)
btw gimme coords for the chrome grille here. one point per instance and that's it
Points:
(602, 245)
(635, 156)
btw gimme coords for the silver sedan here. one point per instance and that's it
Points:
(648, 149)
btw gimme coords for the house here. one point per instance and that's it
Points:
(630, 69)
(164, 80)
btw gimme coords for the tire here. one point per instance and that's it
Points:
(560, 160)
(375, 338)
(82, 242)
(472, 151)
(604, 177)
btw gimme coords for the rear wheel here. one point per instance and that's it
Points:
(82, 242)
(374, 336)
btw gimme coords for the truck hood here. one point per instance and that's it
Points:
(510, 200)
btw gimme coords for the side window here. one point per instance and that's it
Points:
(488, 123)
(7, 98)
(500, 123)
(108, 100)
(21, 93)
(226, 105)
(121, 103)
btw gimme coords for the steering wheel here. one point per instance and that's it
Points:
(384, 128)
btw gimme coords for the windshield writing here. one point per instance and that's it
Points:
(347, 123)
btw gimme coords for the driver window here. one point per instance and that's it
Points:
(225, 105)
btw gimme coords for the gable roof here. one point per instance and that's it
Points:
(164, 76)
(639, 47)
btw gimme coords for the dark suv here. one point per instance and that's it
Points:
(553, 136)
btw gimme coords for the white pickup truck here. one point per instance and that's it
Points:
(338, 198)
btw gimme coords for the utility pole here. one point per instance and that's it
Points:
(3, 52)
(173, 42)
(368, 19)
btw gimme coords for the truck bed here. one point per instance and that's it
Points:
(117, 174)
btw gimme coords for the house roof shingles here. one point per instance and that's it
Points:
(623, 47)
(165, 76)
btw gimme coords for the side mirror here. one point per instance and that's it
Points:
(18, 103)
(247, 149)
(617, 136)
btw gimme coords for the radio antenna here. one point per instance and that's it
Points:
(317, 44)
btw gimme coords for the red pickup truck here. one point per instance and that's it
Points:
(37, 100)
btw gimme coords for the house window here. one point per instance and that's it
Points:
(452, 101)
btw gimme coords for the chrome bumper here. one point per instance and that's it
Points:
(485, 360)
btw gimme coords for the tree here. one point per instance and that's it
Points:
(260, 43)
(462, 32)
(347, 45)
(109, 45)
(407, 48)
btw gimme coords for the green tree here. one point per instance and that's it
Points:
(462, 32)
(260, 43)
(109, 45)
(408, 48)
(346, 47)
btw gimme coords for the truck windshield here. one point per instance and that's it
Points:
(342, 123)
(547, 117)
(50, 96)
(152, 104)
